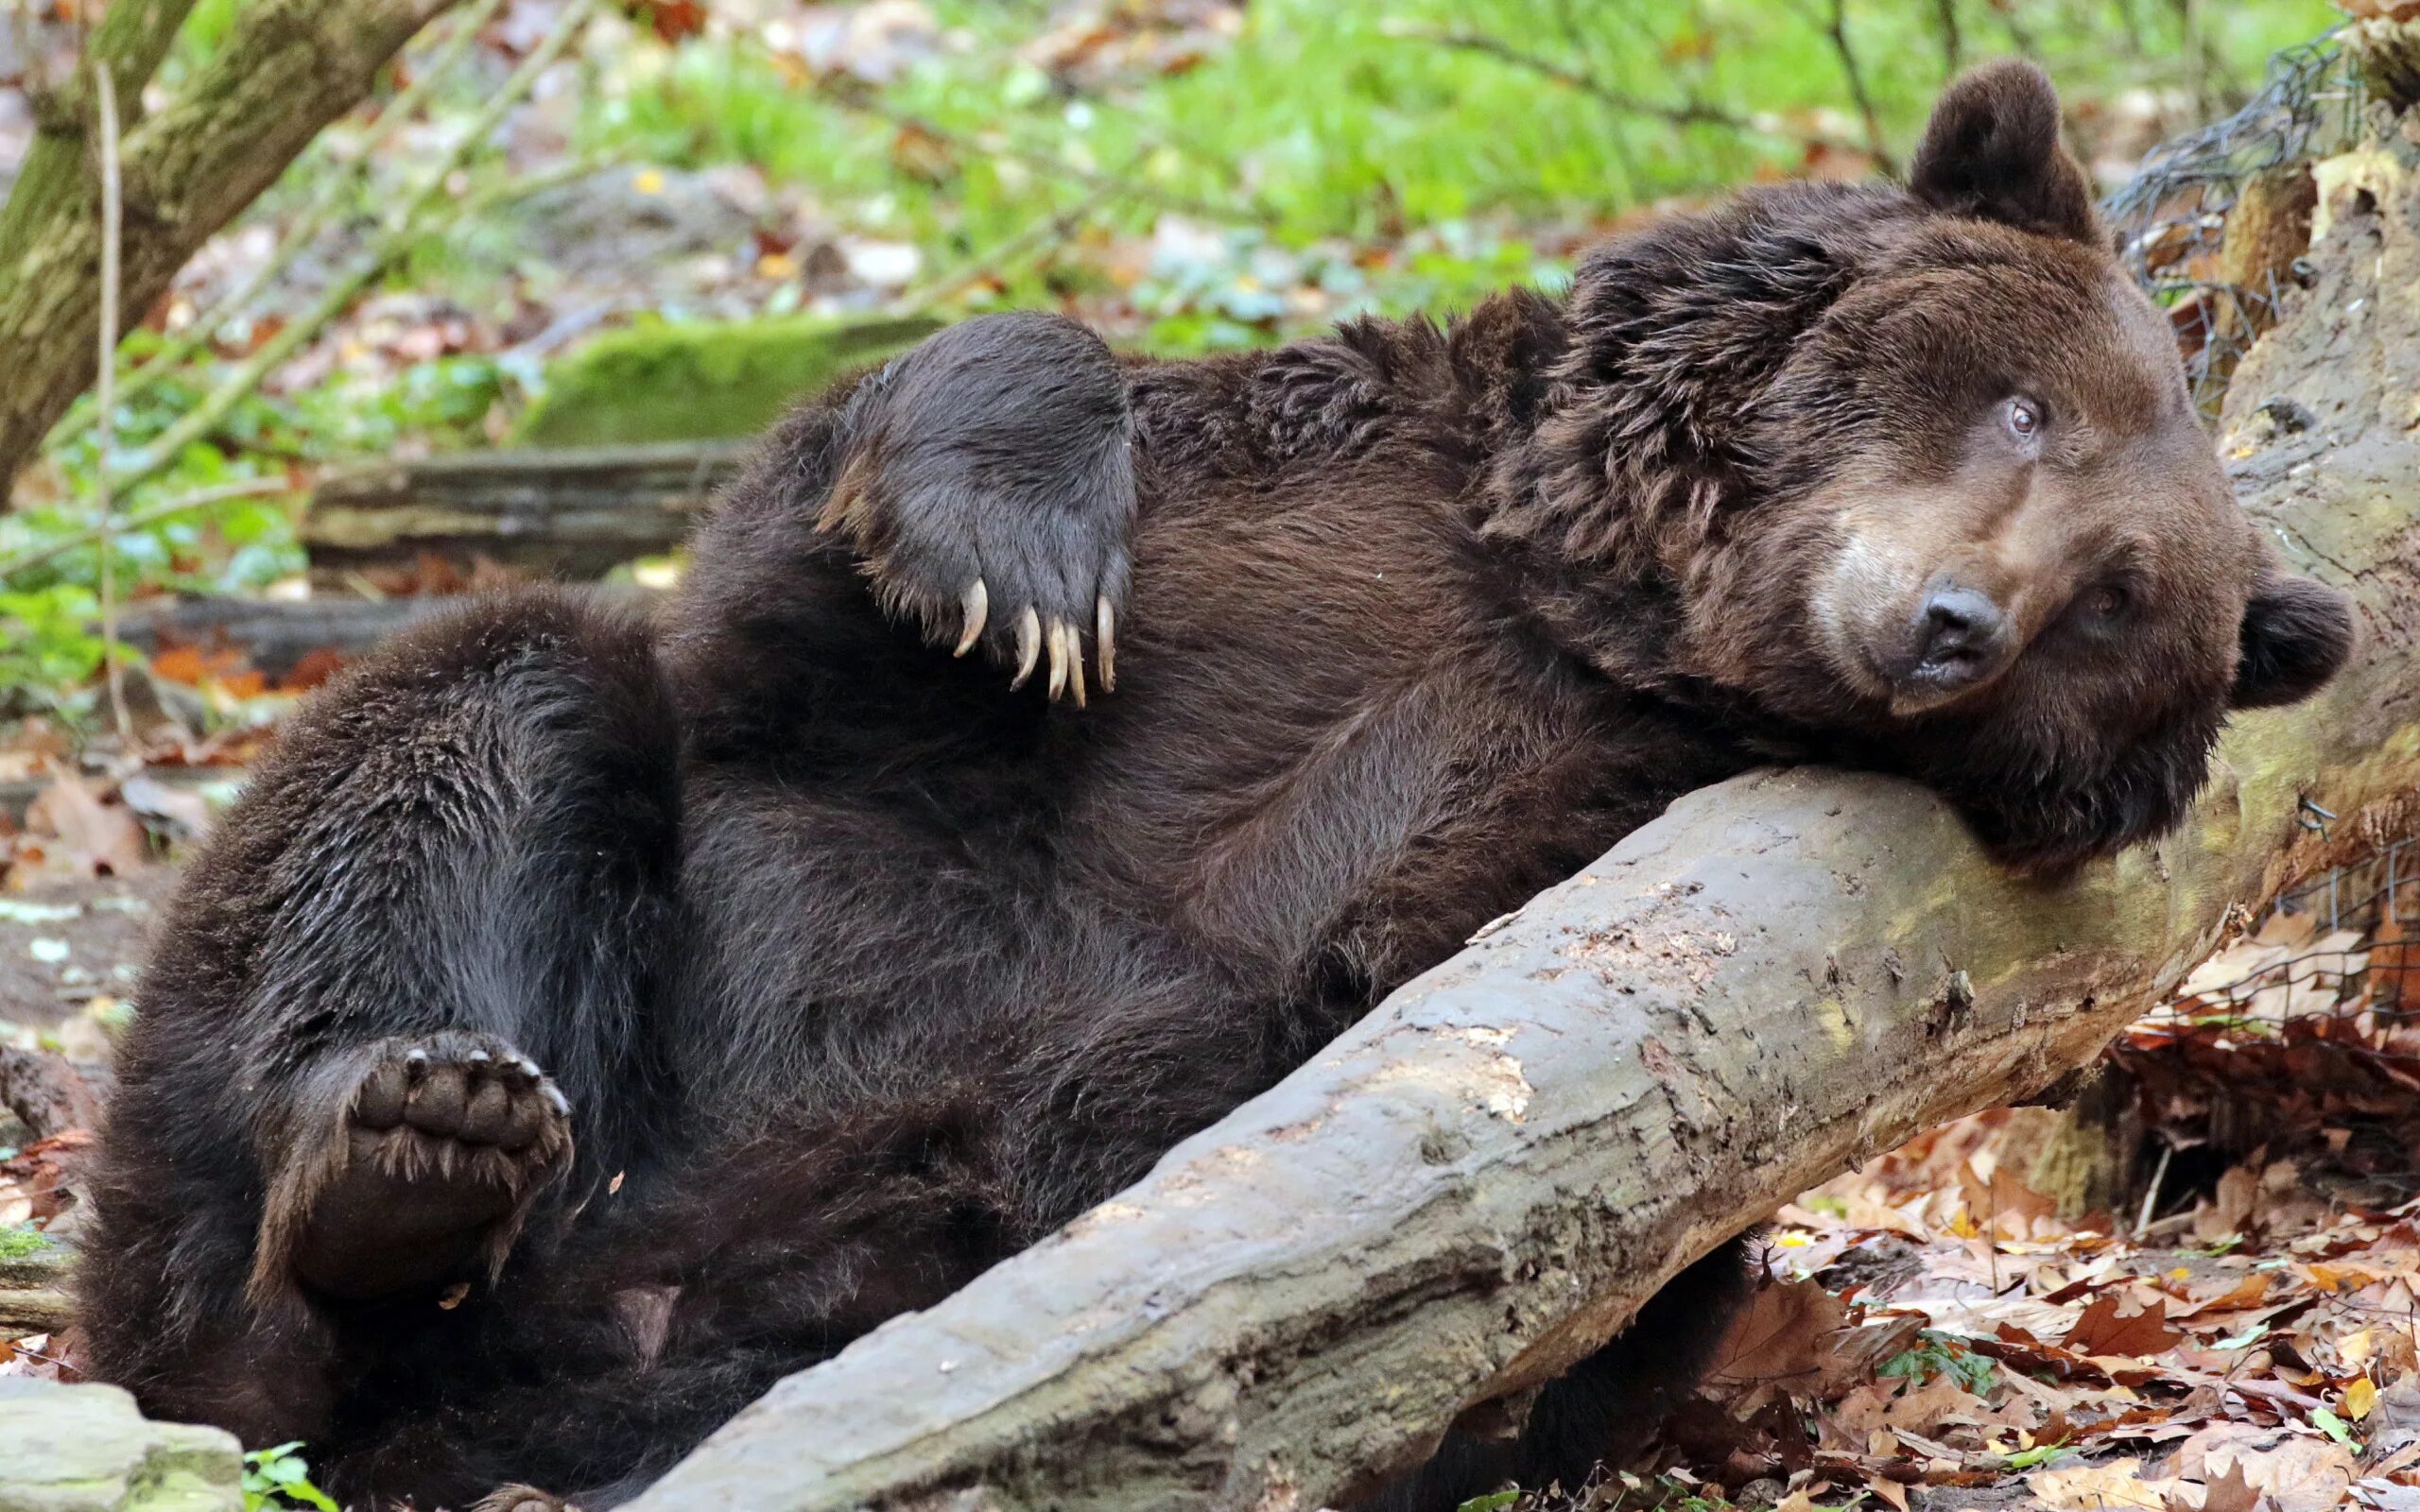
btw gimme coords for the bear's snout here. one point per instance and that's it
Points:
(1959, 638)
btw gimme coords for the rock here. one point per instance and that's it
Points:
(87, 1449)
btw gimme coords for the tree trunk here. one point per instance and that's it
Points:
(288, 69)
(130, 41)
(1476, 1186)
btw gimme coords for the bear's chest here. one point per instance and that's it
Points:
(1386, 828)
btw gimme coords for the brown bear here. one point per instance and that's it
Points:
(580, 1023)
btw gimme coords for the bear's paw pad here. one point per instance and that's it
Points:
(446, 1142)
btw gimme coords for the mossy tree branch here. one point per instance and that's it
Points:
(130, 39)
(287, 68)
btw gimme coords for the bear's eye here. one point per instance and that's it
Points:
(2024, 419)
(2107, 601)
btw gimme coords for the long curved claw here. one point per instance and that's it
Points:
(977, 603)
(1059, 659)
(1105, 640)
(1028, 645)
(1076, 665)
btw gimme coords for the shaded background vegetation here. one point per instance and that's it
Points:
(1190, 174)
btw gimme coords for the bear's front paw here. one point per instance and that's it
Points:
(1028, 572)
(430, 1168)
(987, 484)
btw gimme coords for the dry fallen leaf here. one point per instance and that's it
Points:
(2293, 1472)
(2360, 1398)
(2101, 1330)
(2231, 1492)
(2101, 1489)
(90, 838)
(1784, 1338)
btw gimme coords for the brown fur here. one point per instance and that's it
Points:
(862, 969)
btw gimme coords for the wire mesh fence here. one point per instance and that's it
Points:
(2338, 958)
(2300, 1038)
(2171, 219)
(2311, 955)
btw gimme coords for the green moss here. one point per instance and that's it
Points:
(16, 1244)
(701, 381)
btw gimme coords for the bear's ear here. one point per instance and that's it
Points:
(1992, 151)
(2296, 633)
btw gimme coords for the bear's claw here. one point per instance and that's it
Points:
(975, 605)
(971, 530)
(1064, 639)
(1028, 645)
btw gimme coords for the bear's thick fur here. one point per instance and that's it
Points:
(703, 994)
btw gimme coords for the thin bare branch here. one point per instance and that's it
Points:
(1680, 114)
(1834, 24)
(1058, 226)
(144, 519)
(859, 100)
(113, 234)
(403, 229)
(1953, 37)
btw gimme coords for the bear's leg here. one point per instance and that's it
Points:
(406, 981)
(1603, 1408)
(979, 492)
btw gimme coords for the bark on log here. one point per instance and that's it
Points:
(45, 1092)
(33, 1286)
(1786, 973)
(273, 635)
(548, 513)
(286, 69)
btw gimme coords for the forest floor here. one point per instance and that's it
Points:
(1933, 1336)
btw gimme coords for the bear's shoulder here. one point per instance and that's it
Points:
(1373, 390)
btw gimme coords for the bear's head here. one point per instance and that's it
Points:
(1986, 539)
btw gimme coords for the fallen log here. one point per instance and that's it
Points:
(574, 513)
(1477, 1186)
(45, 1092)
(33, 1285)
(275, 635)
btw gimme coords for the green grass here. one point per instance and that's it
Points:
(1353, 121)
(16, 1244)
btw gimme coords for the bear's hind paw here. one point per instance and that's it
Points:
(429, 1166)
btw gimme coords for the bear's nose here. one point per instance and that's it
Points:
(1962, 637)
